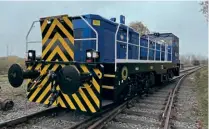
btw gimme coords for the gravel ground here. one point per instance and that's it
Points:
(184, 117)
(24, 107)
(152, 106)
(139, 118)
(147, 112)
(120, 125)
(157, 99)
(186, 110)
(18, 95)
(153, 101)
(63, 120)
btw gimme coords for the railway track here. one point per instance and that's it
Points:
(167, 115)
(109, 118)
(151, 112)
(13, 122)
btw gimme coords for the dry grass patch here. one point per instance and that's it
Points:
(201, 78)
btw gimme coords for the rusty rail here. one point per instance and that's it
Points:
(104, 118)
(16, 121)
(170, 102)
(167, 105)
(112, 114)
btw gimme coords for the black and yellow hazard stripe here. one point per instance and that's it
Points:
(57, 33)
(58, 45)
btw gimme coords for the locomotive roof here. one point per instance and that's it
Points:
(164, 35)
(98, 17)
(162, 38)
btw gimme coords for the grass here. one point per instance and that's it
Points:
(201, 78)
(6, 62)
(6, 89)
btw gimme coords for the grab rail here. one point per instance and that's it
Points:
(127, 43)
(26, 38)
(116, 34)
(93, 30)
(81, 39)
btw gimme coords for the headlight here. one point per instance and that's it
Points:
(30, 54)
(94, 54)
(88, 54)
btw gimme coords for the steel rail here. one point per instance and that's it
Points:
(16, 121)
(112, 114)
(167, 105)
(95, 117)
(168, 115)
(97, 120)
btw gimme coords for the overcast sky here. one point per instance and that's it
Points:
(180, 18)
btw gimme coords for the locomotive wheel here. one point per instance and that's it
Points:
(165, 77)
(152, 79)
(139, 85)
(171, 74)
(147, 84)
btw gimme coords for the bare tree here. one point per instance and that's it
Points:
(139, 27)
(188, 59)
(204, 8)
(185, 59)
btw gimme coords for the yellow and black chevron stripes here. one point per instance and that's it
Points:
(57, 32)
(92, 94)
(87, 99)
(55, 42)
(36, 67)
(43, 90)
(94, 82)
(64, 24)
(58, 45)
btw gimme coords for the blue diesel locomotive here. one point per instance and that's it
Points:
(89, 62)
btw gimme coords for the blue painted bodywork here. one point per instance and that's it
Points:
(106, 30)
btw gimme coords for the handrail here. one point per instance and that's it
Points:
(171, 52)
(166, 51)
(26, 38)
(138, 45)
(160, 52)
(116, 41)
(148, 48)
(80, 39)
(29, 31)
(116, 34)
(139, 48)
(127, 40)
(93, 30)
(155, 51)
